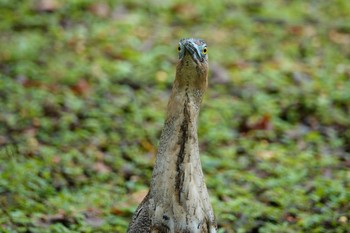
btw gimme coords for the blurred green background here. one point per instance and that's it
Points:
(83, 90)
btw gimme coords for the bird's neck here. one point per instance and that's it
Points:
(177, 165)
(178, 195)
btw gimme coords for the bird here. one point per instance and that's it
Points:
(178, 199)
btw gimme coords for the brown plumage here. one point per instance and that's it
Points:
(178, 199)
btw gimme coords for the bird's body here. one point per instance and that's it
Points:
(178, 199)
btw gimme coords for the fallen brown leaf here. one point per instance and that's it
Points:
(82, 87)
(100, 9)
(47, 5)
(101, 168)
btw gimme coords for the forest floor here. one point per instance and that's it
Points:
(83, 90)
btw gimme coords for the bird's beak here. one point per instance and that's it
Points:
(193, 50)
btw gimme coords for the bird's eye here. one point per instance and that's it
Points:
(179, 49)
(205, 50)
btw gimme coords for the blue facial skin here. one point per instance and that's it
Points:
(195, 47)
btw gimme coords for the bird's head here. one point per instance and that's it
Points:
(196, 49)
(192, 68)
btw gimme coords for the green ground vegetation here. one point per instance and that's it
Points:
(83, 90)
